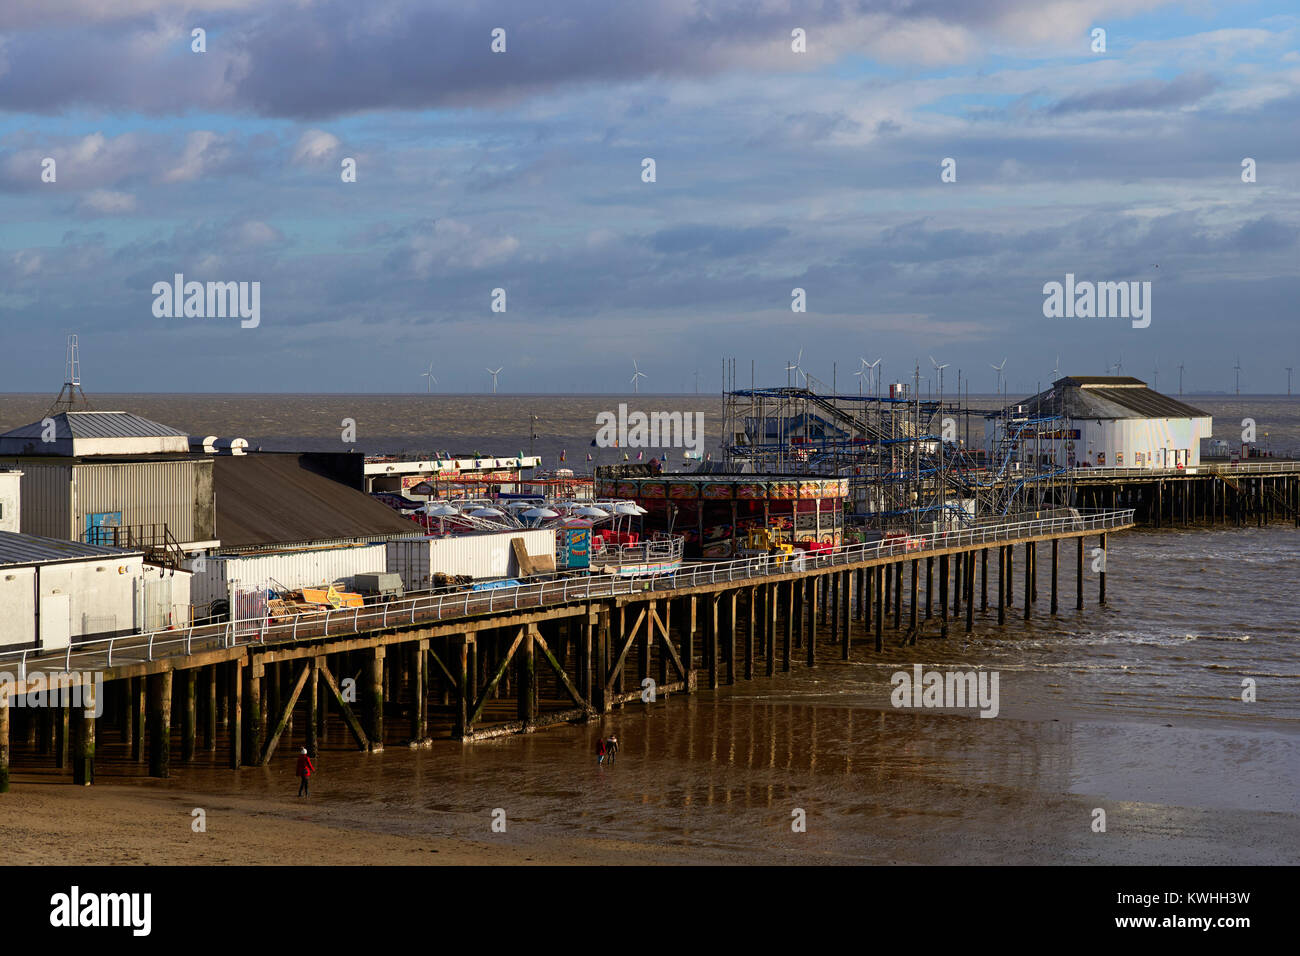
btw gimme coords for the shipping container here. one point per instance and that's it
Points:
(479, 556)
(215, 575)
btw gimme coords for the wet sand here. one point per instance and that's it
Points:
(710, 781)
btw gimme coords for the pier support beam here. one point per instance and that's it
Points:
(1029, 583)
(526, 660)
(898, 594)
(1002, 584)
(1056, 556)
(420, 689)
(139, 720)
(810, 644)
(968, 585)
(1078, 576)
(984, 579)
(60, 737)
(83, 746)
(1101, 599)
(943, 595)
(188, 722)
(234, 712)
(4, 743)
(769, 615)
(254, 710)
(374, 680)
(160, 719)
(881, 571)
(210, 708)
(929, 585)
(791, 621)
(911, 604)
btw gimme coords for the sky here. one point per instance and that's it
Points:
(775, 169)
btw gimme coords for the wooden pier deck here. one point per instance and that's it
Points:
(472, 665)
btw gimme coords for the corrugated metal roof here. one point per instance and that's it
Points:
(270, 498)
(99, 425)
(1104, 397)
(18, 548)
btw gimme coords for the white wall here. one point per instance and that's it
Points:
(1114, 443)
(288, 569)
(10, 500)
(17, 607)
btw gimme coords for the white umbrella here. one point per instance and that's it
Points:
(592, 513)
(487, 513)
(541, 513)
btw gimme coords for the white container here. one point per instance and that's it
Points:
(480, 556)
(283, 570)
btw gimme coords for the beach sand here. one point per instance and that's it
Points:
(707, 781)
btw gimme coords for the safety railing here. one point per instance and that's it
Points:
(435, 607)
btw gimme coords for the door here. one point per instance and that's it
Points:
(56, 621)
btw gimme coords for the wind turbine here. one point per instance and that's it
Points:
(797, 369)
(1289, 370)
(1119, 364)
(877, 371)
(1155, 381)
(1237, 367)
(429, 375)
(858, 374)
(636, 375)
(494, 372)
(939, 368)
(998, 369)
(1180, 378)
(1056, 369)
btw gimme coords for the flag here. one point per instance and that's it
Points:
(639, 454)
(588, 456)
(625, 456)
(521, 453)
(563, 452)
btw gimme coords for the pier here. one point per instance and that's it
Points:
(1236, 494)
(476, 664)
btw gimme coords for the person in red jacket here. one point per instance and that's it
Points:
(305, 769)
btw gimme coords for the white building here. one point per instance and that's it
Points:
(10, 486)
(1098, 422)
(55, 592)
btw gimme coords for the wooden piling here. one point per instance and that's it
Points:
(234, 712)
(4, 743)
(810, 645)
(1056, 548)
(83, 748)
(984, 579)
(943, 595)
(791, 620)
(188, 721)
(1101, 598)
(1078, 576)
(255, 710)
(160, 720)
(1002, 584)
(374, 680)
(210, 709)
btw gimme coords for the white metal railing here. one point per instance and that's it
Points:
(431, 607)
(1204, 468)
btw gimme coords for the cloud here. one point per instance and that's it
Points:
(314, 146)
(1144, 95)
(204, 151)
(105, 202)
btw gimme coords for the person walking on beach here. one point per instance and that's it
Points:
(601, 752)
(611, 747)
(305, 769)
